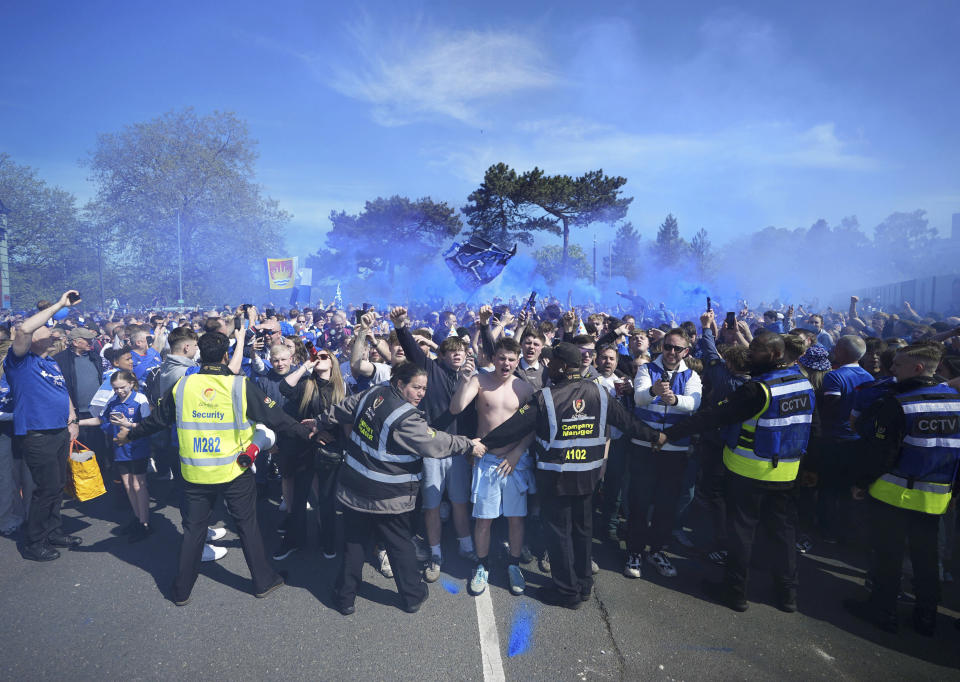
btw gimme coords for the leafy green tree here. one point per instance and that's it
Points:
(702, 251)
(670, 248)
(550, 263)
(198, 171)
(625, 259)
(50, 249)
(387, 234)
(904, 243)
(560, 202)
(493, 210)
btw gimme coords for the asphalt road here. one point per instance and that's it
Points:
(100, 612)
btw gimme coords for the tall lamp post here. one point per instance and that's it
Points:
(179, 263)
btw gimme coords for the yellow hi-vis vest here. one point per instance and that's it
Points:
(212, 426)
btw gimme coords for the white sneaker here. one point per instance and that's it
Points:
(384, 564)
(309, 506)
(213, 553)
(432, 571)
(633, 569)
(214, 534)
(662, 564)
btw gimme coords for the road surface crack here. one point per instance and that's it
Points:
(605, 615)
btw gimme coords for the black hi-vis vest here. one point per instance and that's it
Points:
(375, 469)
(576, 435)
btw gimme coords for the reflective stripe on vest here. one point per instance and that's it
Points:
(769, 462)
(552, 453)
(372, 456)
(212, 428)
(922, 479)
(381, 452)
(378, 476)
(929, 498)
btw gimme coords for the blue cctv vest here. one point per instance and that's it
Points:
(770, 444)
(659, 416)
(922, 479)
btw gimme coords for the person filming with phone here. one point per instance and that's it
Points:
(44, 423)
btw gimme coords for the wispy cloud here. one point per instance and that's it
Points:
(574, 145)
(416, 73)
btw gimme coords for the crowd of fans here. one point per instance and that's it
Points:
(312, 358)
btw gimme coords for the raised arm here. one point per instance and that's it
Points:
(21, 342)
(359, 365)
(465, 394)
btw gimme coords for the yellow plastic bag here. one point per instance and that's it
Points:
(85, 482)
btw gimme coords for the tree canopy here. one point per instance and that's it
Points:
(387, 234)
(200, 170)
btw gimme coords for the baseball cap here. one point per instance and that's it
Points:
(81, 333)
(567, 353)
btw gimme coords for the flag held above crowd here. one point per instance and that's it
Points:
(476, 262)
(280, 272)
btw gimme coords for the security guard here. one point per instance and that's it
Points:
(380, 479)
(215, 413)
(775, 414)
(571, 419)
(908, 469)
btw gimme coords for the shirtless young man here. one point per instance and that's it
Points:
(502, 477)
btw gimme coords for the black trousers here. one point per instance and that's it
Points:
(240, 496)
(655, 479)
(45, 454)
(326, 473)
(833, 500)
(615, 481)
(713, 474)
(568, 522)
(891, 528)
(750, 504)
(360, 531)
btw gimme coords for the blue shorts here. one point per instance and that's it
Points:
(451, 474)
(494, 495)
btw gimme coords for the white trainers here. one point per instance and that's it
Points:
(214, 534)
(662, 564)
(213, 553)
(383, 562)
(478, 581)
(517, 582)
(432, 571)
(633, 569)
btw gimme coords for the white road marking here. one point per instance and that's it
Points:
(489, 639)
(823, 654)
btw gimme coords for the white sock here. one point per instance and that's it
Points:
(435, 551)
(466, 544)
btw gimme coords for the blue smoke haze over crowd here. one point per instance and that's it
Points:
(731, 117)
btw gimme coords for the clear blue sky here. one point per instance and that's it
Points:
(732, 117)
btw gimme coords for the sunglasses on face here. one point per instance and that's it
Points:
(670, 346)
(323, 356)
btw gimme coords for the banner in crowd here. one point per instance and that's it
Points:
(281, 272)
(476, 262)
